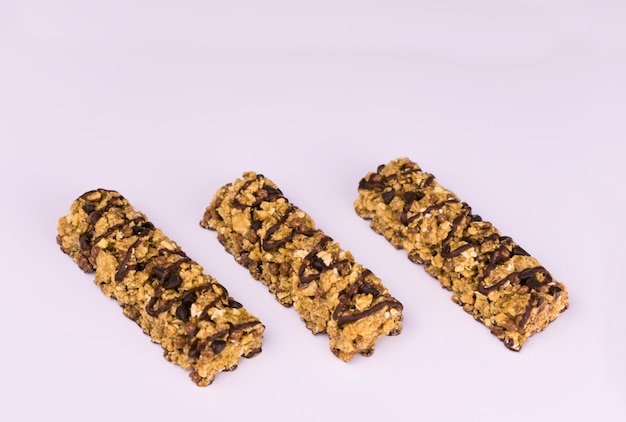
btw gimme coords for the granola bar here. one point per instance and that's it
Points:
(489, 275)
(187, 312)
(303, 267)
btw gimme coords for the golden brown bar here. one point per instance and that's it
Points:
(490, 275)
(187, 312)
(302, 266)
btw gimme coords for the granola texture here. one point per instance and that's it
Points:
(302, 267)
(489, 274)
(199, 326)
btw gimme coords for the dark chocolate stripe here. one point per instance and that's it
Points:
(94, 214)
(360, 286)
(236, 204)
(310, 261)
(372, 184)
(141, 229)
(447, 253)
(378, 182)
(345, 296)
(499, 256)
(348, 318)
(266, 193)
(222, 296)
(269, 244)
(525, 277)
(197, 346)
(123, 269)
(165, 306)
(167, 278)
(445, 246)
(533, 302)
(406, 220)
(217, 345)
(430, 178)
(107, 233)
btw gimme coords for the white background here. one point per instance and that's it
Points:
(517, 106)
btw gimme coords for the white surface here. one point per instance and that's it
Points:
(519, 107)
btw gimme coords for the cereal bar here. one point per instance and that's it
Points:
(188, 313)
(489, 274)
(303, 267)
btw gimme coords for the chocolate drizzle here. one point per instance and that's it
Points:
(378, 182)
(342, 313)
(413, 196)
(466, 217)
(153, 310)
(526, 277)
(533, 302)
(266, 193)
(124, 267)
(311, 262)
(197, 346)
(268, 244)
